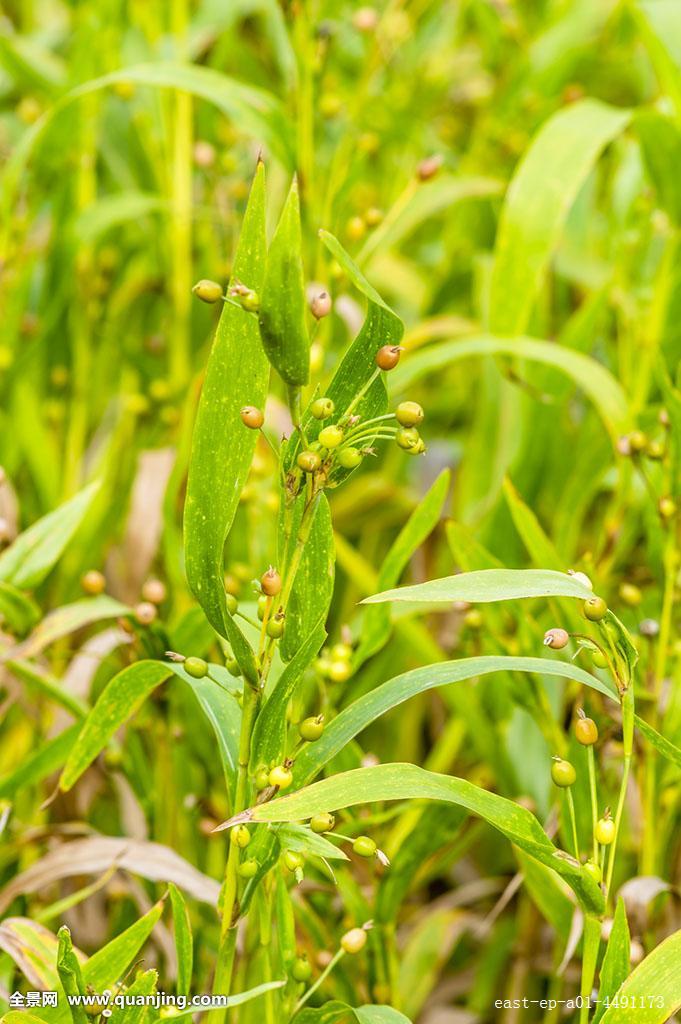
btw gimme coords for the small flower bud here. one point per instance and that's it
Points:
(207, 291)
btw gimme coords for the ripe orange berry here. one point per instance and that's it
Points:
(252, 417)
(388, 357)
(270, 582)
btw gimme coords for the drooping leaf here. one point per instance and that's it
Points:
(661, 148)
(222, 447)
(184, 941)
(663, 746)
(362, 712)
(29, 559)
(488, 585)
(48, 758)
(282, 300)
(17, 611)
(409, 782)
(64, 621)
(33, 948)
(537, 203)
(121, 698)
(597, 383)
(424, 518)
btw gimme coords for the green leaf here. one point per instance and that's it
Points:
(616, 963)
(409, 782)
(269, 735)
(17, 610)
(661, 148)
(238, 999)
(29, 559)
(222, 447)
(47, 759)
(221, 710)
(664, 746)
(313, 585)
(70, 974)
(539, 547)
(334, 1012)
(49, 686)
(282, 300)
(422, 521)
(184, 942)
(652, 992)
(143, 985)
(303, 840)
(487, 585)
(33, 948)
(537, 203)
(121, 698)
(597, 383)
(357, 716)
(64, 621)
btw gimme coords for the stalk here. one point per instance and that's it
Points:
(181, 205)
(594, 799)
(573, 820)
(628, 743)
(322, 977)
(592, 939)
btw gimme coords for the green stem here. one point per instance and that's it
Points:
(360, 394)
(592, 939)
(322, 977)
(573, 820)
(594, 799)
(628, 743)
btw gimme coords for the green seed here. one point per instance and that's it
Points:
(330, 437)
(248, 868)
(595, 609)
(196, 667)
(309, 462)
(407, 438)
(323, 822)
(322, 408)
(349, 458)
(207, 291)
(363, 846)
(563, 773)
(311, 728)
(409, 414)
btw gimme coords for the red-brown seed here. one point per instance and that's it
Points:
(270, 582)
(556, 639)
(388, 357)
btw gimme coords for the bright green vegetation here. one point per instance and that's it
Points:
(339, 530)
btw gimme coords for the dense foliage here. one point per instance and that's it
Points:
(339, 528)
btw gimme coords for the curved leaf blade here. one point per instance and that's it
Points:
(652, 992)
(487, 585)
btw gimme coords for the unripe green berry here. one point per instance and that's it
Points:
(323, 822)
(473, 619)
(562, 773)
(207, 291)
(280, 776)
(605, 831)
(354, 940)
(322, 408)
(262, 779)
(409, 414)
(301, 969)
(262, 606)
(330, 437)
(233, 667)
(407, 438)
(599, 659)
(339, 671)
(666, 507)
(349, 458)
(363, 846)
(275, 627)
(594, 871)
(655, 450)
(232, 603)
(311, 729)
(341, 652)
(595, 609)
(637, 442)
(240, 836)
(309, 462)
(630, 595)
(248, 868)
(292, 860)
(195, 667)
(250, 301)
(586, 731)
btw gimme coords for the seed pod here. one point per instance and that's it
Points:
(409, 414)
(145, 613)
(252, 417)
(605, 830)
(154, 591)
(320, 305)
(429, 167)
(349, 458)
(309, 462)
(280, 776)
(556, 638)
(388, 357)
(322, 408)
(354, 940)
(248, 868)
(323, 822)
(562, 773)
(595, 609)
(282, 306)
(364, 846)
(197, 668)
(586, 731)
(207, 291)
(301, 969)
(330, 437)
(93, 582)
(311, 729)
(275, 627)
(240, 836)
(407, 437)
(270, 582)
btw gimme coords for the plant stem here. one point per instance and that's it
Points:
(360, 394)
(573, 820)
(594, 799)
(628, 742)
(322, 977)
(592, 938)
